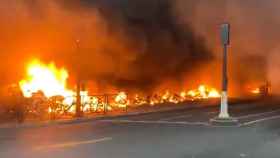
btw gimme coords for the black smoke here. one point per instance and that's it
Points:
(127, 44)
(163, 47)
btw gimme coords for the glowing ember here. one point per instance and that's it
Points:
(255, 91)
(183, 94)
(192, 93)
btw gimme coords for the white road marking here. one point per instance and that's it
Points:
(261, 120)
(258, 114)
(157, 122)
(73, 144)
(213, 112)
(168, 120)
(175, 117)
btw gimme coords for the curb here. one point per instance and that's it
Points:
(89, 119)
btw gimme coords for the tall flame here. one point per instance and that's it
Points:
(46, 78)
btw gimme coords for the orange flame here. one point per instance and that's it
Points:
(46, 78)
(203, 92)
(51, 80)
(256, 91)
(121, 100)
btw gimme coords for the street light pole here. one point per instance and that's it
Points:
(78, 90)
(224, 94)
(223, 118)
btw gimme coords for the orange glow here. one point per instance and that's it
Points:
(183, 94)
(50, 80)
(203, 92)
(256, 91)
(121, 100)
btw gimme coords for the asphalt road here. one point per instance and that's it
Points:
(176, 134)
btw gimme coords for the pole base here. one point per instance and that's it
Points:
(79, 114)
(224, 122)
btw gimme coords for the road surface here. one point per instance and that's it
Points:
(175, 134)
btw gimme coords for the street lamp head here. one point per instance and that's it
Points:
(225, 33)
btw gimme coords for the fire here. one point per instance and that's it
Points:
(203, 92)
(46, 78)
(121, 100)
(51, 82)
(256, 91)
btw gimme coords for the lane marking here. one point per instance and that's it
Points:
(158, 122)
(260, 120)
(73, 144)
(213, 112)
(175, 117)
(257, 114)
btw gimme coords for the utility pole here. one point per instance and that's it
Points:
(224, 118)
(78, 90)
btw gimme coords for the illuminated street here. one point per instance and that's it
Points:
(181, 134)
(139, 79)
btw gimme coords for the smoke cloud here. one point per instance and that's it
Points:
(141, 44)
(120, 45)
(254, 36)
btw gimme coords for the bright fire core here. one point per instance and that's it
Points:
(46, 78)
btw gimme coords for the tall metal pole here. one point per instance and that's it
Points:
(224, 119)
(225, 31)
(224, 96)
(78, 90)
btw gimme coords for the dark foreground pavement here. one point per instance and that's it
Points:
(175, 134)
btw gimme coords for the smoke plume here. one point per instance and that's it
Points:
(254, 36)
(141, 44)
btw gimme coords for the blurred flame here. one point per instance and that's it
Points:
(203, 92)
(121, 99)
(46, 78)
(256, 91)
(51, 81)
